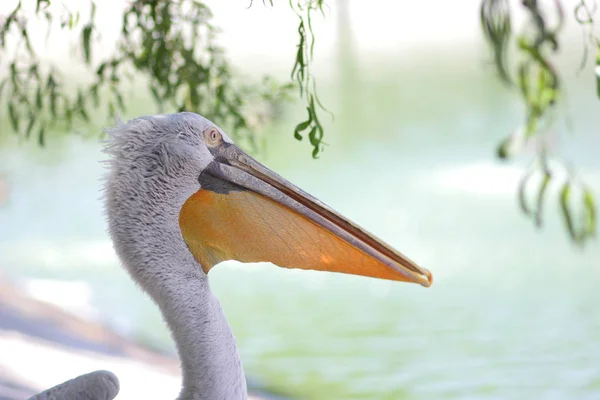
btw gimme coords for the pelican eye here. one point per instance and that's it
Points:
(212, 136)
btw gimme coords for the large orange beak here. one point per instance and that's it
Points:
(248, 213)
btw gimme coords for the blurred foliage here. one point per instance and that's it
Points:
(539, 85)
(170, 44)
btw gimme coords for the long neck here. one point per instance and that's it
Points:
(210, 362)
(148, 240)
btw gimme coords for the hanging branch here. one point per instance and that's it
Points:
(185, 67)
(301, 73)
(540, 88)
(172, 44)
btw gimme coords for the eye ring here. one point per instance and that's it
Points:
(212, 136)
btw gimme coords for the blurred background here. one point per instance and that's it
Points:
(411, 157)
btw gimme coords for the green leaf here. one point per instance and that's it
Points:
(53, 98)
(86, 35)
(312, 137)
(502, 151)
(33, 71)
(100, 70)
(13, 75)
(590, 213)
(315, 152)
(495, 20)
(302, 126)
(598, 71)
(25, 37)
(41, 4)
(540, 197)
(119, 97)
(565, 196)
(13, 115)
(38, 98)
(314, 140)
(522, 192)
(84, 115)
(95, 95)
(29, 126)
(51, 83)
(41, 135)
(111, 109)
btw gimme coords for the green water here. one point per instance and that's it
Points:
(513, 312)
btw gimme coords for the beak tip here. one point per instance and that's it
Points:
(428, 278)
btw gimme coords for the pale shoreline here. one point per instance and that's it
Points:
(42, 345)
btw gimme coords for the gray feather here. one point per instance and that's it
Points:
(97, 385)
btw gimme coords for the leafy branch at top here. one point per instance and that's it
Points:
(540, 88)
(171, 43)
(37, 96)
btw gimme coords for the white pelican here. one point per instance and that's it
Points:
(181, 198)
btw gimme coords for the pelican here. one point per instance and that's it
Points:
(181, 197)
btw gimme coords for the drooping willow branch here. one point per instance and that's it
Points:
(539, 84)
(301, 73)
(171, 43)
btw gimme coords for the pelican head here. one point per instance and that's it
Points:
(230, 207)
(181, 197)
